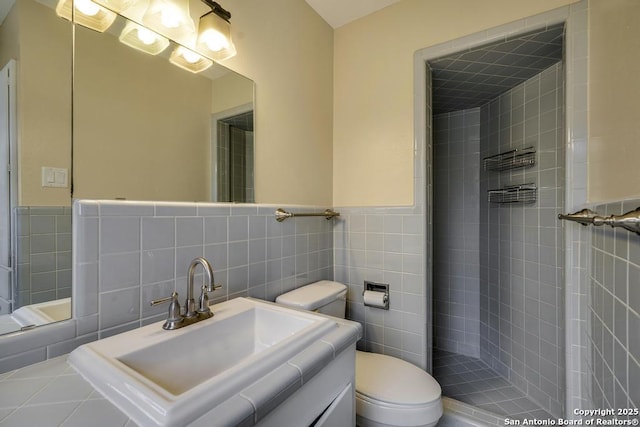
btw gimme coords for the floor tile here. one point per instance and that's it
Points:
(472, 381)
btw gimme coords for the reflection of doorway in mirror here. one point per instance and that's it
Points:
(8, 184)
(232, 153)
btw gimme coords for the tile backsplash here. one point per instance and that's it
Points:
(128, 254)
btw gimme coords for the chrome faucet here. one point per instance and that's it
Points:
(177, 320)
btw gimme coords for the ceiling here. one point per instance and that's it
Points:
(5, 7)
(340, 12)
(335, 12)
(474, 77)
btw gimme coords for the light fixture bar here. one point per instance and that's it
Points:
(116, 5)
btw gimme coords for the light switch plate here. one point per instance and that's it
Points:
(55, 177)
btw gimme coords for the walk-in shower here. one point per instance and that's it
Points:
(498, 261)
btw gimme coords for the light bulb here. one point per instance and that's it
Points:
(190, 56)
(171, 17)
(87, 7)
(215, 40)
(146, 36)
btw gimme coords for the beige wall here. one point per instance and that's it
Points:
(614, 91)
(44, 75)
(373, 90)
(287, 49)
(282, 45)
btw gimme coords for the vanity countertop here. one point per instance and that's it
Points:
(52, 393)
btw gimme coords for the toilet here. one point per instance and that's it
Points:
(389, 391)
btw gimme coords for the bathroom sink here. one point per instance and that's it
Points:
(43, 313)
(173, 377)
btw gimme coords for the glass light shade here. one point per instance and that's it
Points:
(170, 18)
(141, 38)
(87, 13)
(116, 5)
(214, 37)
(189, 60)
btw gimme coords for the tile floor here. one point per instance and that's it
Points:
(472, 381)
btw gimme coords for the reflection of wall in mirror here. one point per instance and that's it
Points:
(230, 91)
(41, 43)
(141, 129)
(44, 254)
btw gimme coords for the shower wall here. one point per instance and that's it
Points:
(521, 245)
(456, 258)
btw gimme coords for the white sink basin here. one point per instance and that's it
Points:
(173, 377)
(43, 313)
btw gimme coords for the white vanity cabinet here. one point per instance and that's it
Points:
(327, 400)
(341, 410)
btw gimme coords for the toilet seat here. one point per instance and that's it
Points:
(394, 392)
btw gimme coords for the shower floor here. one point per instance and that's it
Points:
(472, 381)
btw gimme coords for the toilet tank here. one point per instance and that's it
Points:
(325, 296)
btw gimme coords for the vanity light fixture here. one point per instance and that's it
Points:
(141, 38)
(171, 18)
(86, 13)
(189, 60)
(214, 33)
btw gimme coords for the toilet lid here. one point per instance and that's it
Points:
(313, 296)
(391, 380)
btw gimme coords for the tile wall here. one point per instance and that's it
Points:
(384, 245)
(128, 254)
(614, 310)
(456, 210)
(44, 254)
(522, 257)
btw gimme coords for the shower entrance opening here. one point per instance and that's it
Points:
(498, 168)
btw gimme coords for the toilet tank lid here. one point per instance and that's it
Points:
(312, 296)
(391, 380)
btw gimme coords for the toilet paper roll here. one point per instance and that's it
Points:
(375, 299)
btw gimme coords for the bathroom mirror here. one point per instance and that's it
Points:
(144, 129)
(35, 136)
(148, 129)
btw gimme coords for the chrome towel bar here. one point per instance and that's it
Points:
(281, 214)
(629, 221)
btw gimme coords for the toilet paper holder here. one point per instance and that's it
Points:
(372, 287)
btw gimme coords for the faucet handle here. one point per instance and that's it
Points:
(212, 287)
(174, 318)
(204, 311)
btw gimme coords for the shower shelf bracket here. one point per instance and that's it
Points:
(514, 159)
(523, 193)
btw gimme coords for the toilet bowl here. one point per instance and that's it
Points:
(389, 391)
